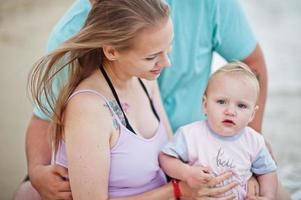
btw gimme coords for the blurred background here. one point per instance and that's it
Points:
(24, 29)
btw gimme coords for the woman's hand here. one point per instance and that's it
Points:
(209, 190)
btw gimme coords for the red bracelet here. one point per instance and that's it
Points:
(176, 188)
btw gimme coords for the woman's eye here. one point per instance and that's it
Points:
(221, 101)
(150, 58)
(241, 105)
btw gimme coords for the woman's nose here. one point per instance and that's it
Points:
(164, 61)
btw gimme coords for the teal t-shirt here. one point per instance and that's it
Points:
(71, 23)
(201, 28)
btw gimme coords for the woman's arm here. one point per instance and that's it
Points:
(257, 63)
(162, 193)
(166, 192)
(88, 127)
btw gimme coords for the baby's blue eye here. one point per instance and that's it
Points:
(241, 105)
(221, 101)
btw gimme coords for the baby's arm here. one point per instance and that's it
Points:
(175, 168)
(174, 158)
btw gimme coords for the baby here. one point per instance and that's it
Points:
(223, 142)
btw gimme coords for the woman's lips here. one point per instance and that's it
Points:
(156, 71)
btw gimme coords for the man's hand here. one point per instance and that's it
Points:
(51, 182)
(253, 188)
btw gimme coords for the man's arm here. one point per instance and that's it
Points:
(46, 179)
(268, 185)
(38, 145)
(257, 63)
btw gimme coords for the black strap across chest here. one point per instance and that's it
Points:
(128, 126)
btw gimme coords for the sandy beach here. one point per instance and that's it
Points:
(24, 29)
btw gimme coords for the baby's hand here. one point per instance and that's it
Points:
(198, 176)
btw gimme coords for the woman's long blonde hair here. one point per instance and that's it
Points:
(113, 22)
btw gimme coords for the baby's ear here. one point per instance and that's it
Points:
(204, 104)
(254, 112)
(256, 108)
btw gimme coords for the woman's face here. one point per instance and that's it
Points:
(149, 56)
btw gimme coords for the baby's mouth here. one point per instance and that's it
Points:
(228, 122)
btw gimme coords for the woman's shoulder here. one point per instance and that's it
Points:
(87, 111)
(89, 97)
(87, 100)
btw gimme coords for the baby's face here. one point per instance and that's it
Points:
(230, 103)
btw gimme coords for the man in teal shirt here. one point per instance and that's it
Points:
(201, 27)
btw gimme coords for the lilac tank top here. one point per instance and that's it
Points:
(134, 165)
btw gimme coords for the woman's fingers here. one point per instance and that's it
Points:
(228, 197)
(213, 188)
(217, 187)
(231, 197)
(219, 179)
(215, 191)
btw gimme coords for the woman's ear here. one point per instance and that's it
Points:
(110, 52)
